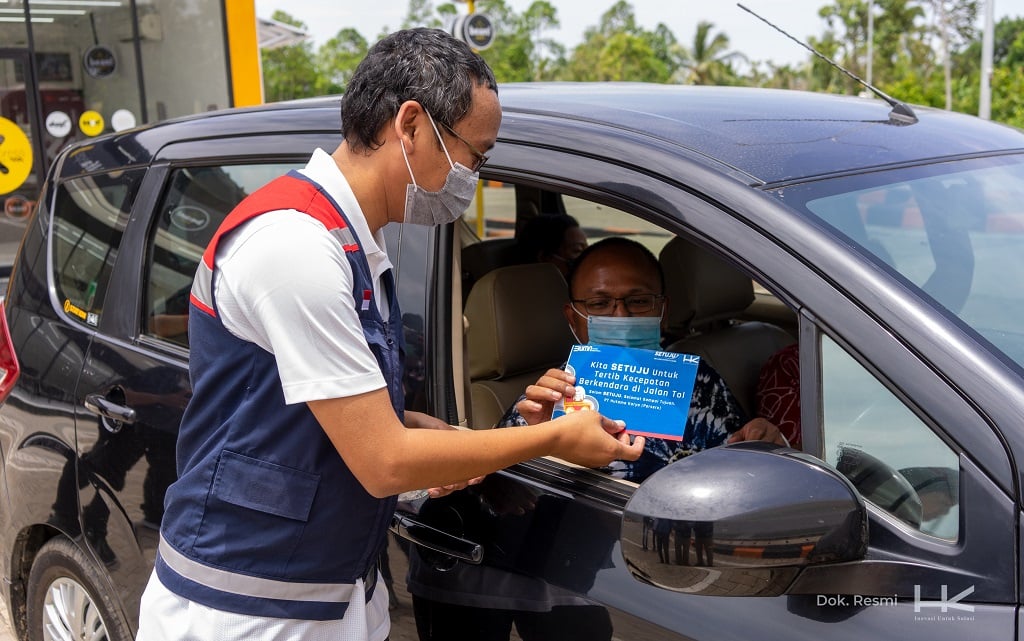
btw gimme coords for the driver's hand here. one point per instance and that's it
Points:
(554, 385)
(759, 429)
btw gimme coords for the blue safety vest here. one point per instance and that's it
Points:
(265, 517)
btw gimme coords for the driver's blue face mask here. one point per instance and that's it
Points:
(641, 332)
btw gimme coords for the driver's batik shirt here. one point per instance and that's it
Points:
(714, 415)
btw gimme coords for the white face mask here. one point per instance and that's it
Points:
(424, 207)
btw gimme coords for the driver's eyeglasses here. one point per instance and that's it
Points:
(480, 158)
(635, 304)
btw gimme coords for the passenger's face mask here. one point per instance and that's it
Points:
(641, 332)
(424, 207)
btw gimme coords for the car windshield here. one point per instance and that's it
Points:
(953, 229)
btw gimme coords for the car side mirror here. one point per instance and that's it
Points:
(741, 520)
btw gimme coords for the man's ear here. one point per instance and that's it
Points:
(406, 124)
(664, 314)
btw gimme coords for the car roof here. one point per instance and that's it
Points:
(770, 135)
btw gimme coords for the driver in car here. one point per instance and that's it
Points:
(616, 292)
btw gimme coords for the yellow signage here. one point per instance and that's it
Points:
(15, 156)
(91, 123)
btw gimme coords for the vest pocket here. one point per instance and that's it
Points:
(268, 487)
(255, 516)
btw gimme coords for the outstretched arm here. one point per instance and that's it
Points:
(388, 459)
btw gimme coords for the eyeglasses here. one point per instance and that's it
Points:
(480, 158)
(635, 304)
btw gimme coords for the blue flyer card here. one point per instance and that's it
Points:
(648, 390)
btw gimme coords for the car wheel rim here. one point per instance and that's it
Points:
(69, 613)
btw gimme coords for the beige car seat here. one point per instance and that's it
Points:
(486, 255)
(515, 333)
(706, 296)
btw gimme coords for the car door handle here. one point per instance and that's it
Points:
(119, 415)
(436, 540)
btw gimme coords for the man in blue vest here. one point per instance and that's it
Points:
(295, 441)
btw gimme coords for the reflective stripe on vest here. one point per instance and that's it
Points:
(257, 587)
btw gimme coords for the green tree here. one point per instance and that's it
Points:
(618, 49)
(821, 75)
(1008, 95)
(1007, 81)
(1010, 50)
(708, 60)
(666, 47)
(899, 40)
(547, 55)
(953, 25)
(521, 50)
(847, 21)
(421, 13)
(1007, 47)
(629, 57)
(337, 59)
(768, 74)
(289, 72)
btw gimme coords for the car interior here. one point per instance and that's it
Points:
(514, 328)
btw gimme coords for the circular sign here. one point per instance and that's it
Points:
(58, 124)
(99, 61)
(18, 207)
(15, 156)
(122, 119)
(91, 123)
(476, 30)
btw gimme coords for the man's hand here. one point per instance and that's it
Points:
(551, 387)
(419, 420)
(759, 429)
(593, 440)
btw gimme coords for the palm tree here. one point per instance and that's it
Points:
(709, 61)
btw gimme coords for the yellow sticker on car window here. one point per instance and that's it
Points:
(90, 318)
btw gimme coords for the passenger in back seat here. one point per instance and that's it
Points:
(552, 238)
(616, 292)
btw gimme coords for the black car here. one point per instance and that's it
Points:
(887, 244)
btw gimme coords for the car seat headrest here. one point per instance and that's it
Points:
(515, 321)
(701, 287)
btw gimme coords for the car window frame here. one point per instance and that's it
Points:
(701, 217)
(110, 287)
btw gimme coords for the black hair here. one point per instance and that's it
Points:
(542, 235)
(614, 242)
(426, 65)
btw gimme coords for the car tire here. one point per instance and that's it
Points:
(65, 600)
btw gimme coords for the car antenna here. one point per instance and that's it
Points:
(901, 111)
